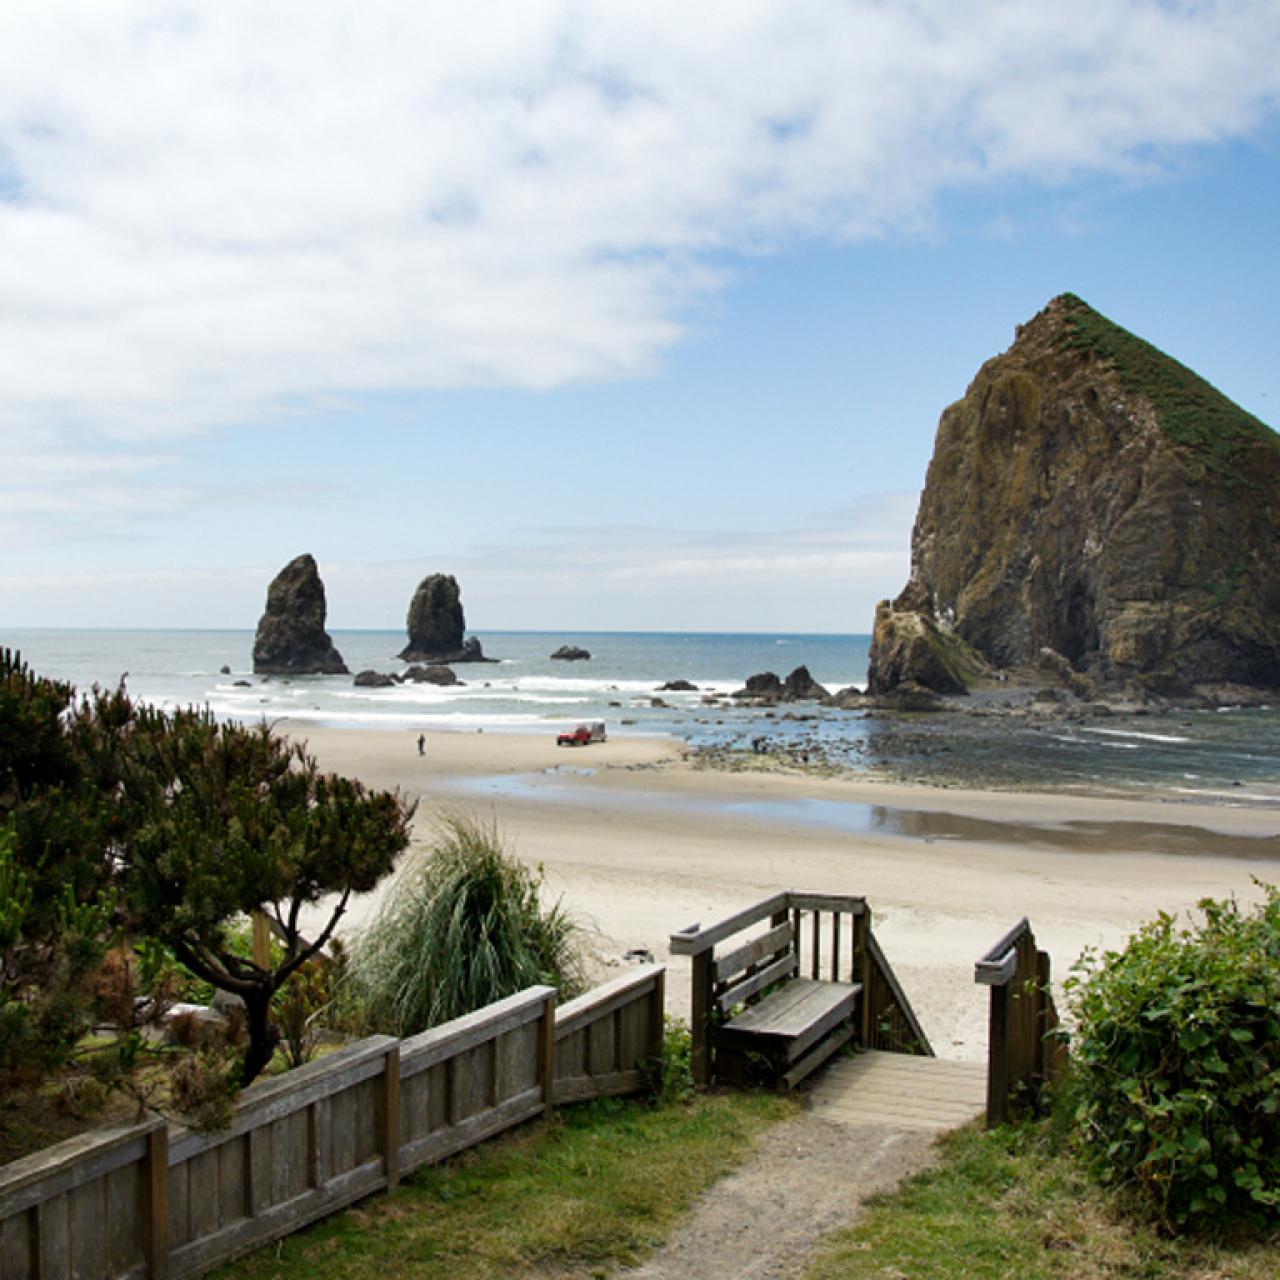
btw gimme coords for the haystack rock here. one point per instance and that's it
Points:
(291, 639)
(1092, 497)
(436, 624)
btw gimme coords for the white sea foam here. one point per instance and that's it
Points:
(1133, 733)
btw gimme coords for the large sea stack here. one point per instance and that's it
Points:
(1093, 497)
(436, 624)
(291, 639)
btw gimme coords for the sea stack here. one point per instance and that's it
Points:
(436, 624)
(1093, 497)
(291, 639)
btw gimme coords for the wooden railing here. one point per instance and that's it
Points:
(156, 1200)
(1024, 1050)
(795, 933)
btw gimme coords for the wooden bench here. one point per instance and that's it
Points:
(750, 1001)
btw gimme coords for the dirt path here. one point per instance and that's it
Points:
(870, 1121)
(807, 1178)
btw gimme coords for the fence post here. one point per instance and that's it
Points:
(547, 1051)
(657, 1008)
(156, 1243)
(391, 1114)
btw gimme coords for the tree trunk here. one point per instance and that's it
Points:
(263, 1036)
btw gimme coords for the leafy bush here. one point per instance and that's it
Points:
(1176, 1074)
(464, 929)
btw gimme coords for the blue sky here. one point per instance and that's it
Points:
(631, 316)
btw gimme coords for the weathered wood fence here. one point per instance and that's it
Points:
(156, 1200)
(1023, 1050)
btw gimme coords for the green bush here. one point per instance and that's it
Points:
(1176, 1065)
(460, 931)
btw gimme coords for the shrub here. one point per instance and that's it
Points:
(1176, 1064)
(464, 929)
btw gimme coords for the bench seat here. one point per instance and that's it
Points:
(796, 1027)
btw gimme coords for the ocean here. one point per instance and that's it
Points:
(1223, 756)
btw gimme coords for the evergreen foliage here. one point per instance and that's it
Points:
(1176, 1065)
(462, 930)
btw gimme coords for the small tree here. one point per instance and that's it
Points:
(222, 820)
(56, 898)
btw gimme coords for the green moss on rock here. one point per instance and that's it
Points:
(1190, 411)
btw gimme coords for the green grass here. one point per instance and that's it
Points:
(1191, 411)
(1013, 1204)
(600, 1184)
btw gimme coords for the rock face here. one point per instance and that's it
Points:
(291, 639)
(571, 653)
(430, 675)
(1091, 496)
(436, 624)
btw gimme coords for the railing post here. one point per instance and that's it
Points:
(998, 1057)
(1042, 1020)
(862, 950)
(547, 1052)
(700, 1020)
(156, 1244)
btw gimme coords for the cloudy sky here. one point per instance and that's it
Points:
(631, 315)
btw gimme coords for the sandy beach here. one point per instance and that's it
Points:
(639, 843)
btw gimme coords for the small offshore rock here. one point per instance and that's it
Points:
(436, 674)
(850, 698)
(764, 685)
(678, 686)
(800, 686)
(374, 680)
(224, 670)
(570, 653)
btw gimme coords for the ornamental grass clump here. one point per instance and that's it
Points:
(1176, 1065)
(465, 928)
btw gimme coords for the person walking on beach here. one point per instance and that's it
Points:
(422, 744)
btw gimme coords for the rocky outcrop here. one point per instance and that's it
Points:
(907, 646)
(800, 686)
(1093, 497)
(291, 639)
(678, 686)
(374, 680)
(570, 653)
(764, 686)
(436, 624)
(430, 675)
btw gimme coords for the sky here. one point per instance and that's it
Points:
(633, 316)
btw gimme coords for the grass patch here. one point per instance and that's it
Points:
(1191, 412)
(598, 1185)
(1012, 1203)
(465, 928)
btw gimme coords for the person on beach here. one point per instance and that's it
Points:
(422, 744)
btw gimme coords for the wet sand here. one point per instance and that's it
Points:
(638, 843)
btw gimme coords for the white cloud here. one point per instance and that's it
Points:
(216, 213)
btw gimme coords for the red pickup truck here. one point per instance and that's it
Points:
(582, 735)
